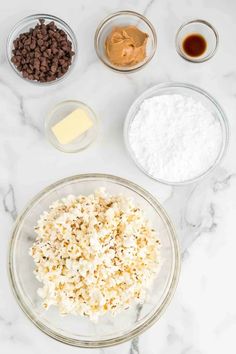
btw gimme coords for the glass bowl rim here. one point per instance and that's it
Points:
(15, 31)
(170, 288)
(197, 60)
(223, 118)
(52, 111)
(117, 14)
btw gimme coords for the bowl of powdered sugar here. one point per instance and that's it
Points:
(176, 133)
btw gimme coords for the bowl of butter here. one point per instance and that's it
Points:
(71, 126)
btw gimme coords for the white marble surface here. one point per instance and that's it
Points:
(202, 317)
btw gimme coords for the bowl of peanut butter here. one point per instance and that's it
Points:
(125, 41)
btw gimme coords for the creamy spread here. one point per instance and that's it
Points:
(126, 46)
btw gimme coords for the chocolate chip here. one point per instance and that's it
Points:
(54, 69)
(28, 41)
(44, 53)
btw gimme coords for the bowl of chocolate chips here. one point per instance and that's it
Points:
(42, 49)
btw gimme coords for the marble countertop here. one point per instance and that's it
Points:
(202, 316)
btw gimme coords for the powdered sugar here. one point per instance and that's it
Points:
(174, 137)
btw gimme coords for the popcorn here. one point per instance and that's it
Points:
(94, 254)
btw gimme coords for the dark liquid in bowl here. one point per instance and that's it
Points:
(194, 45)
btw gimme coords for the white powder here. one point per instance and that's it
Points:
(174, 137)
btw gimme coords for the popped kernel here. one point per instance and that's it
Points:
(94, 254)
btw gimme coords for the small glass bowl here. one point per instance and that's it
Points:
(203, 28)
(125, 18)
(59, 112)
(77, 330)
(186, 90)
(29, 22)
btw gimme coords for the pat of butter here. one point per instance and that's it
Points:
(72, 126)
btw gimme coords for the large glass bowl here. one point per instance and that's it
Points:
(76, 330)
(184, 89)
(30, 22)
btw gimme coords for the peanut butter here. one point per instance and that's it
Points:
(126, 46)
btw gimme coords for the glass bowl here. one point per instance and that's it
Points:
(80, 331)
(124, 18)
(206, 30)
(186, 90)
(29, 22)
(60, 111)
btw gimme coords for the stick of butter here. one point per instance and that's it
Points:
(72, 126)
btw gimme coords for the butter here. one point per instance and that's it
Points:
(72, 126)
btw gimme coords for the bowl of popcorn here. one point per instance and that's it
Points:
(93, 260)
